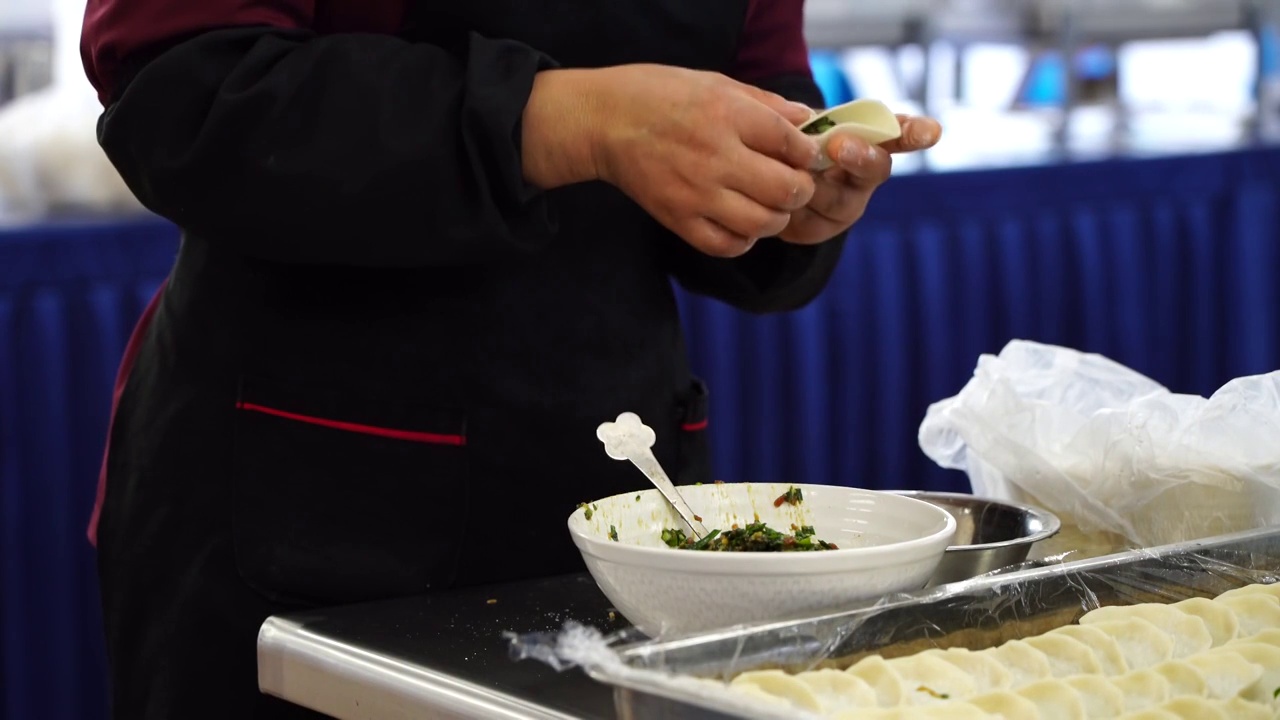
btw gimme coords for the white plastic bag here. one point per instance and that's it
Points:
(50, 161)
(1122, 461)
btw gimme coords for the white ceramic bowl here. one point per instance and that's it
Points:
(887, 543)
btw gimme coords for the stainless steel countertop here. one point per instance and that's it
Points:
(444, 655)
(438, 656)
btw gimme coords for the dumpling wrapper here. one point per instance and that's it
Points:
(1189, 633)
(1210, 709)
(752, 694)
(1150, 714)
(887, 684)
(1238, 709)
(1104, 647)
(1007, 705)
(929, 680)
(836, 690)
(1184, 678)
(1067, 656)
(946, 711)
(986, 672)
(1025, 663)
(1272, 589)
(1226, 674)
(1256, 612)
(870, 120)
(1102, 700)
(1196, 708)
(781, 685)
(1219, 619)
(1142, 689)
(1266, 637)
(1142, 644)
(1268, 658)
(1055, 700)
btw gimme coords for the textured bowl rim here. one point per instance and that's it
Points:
(742, 564)
(1052, 523)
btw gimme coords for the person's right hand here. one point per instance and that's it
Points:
(718, 162)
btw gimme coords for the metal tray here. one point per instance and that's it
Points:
(976, 614)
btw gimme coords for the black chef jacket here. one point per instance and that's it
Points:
(381, 356)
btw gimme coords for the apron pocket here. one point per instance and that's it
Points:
(339, 499)
(695, 450)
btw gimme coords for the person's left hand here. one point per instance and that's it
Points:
(842, 192)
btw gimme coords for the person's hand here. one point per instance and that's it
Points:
(841, 193)
(718, 162)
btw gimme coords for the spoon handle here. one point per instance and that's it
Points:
(648, 464)
(628, 438)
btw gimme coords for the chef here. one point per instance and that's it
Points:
(427, 248)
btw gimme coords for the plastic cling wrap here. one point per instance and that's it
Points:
(1121, 460)
(685, 677)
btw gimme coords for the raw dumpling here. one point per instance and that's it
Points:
(755, 697)
(781, 685)
(1226, 674)
(1255, 612)
(1141, 643)
(987, 674)
(1208, 709)
(1102, 700)
(946, 711)
(929, 680)
(1184, 678)
(1196, 708)
(1024, 662)
(1150, 714)
(1272, 589)
(1067, 656)
(1007, 705)
(1268, 658)
(1055, 700)
(1142, 689)
(837, 690)
(1220, 620)
(1189, 633)
(1267, 637)
(1238, 709)
(1104, 647)
(887, 684)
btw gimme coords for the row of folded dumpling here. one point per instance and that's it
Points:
(1197, 658)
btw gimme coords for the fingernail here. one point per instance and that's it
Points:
(921, 134)
(849, 152)
(873, 153)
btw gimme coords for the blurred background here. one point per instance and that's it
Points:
(1106, 182)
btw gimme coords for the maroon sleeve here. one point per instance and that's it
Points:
(772, 43)
(119, 34)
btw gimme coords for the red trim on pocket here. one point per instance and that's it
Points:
(408, 435)
(694, 426)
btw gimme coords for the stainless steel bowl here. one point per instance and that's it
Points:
(990, 534)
